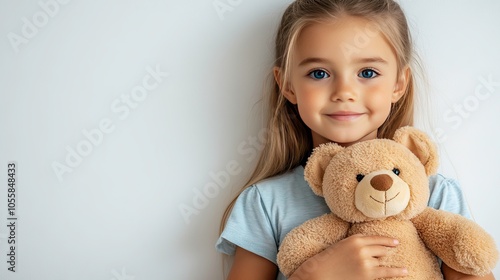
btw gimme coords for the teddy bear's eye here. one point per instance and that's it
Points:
(396, 171)
(360, 177)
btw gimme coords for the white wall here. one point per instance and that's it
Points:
(113, 212)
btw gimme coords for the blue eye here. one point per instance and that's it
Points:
(368, 74)
(318, 74)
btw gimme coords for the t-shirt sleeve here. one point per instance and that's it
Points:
(447, 195)
(249, 227)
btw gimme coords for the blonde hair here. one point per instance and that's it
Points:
(289, 140)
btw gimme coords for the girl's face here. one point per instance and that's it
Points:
(343, 80)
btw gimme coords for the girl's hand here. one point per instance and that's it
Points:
(355, 257)
(450, 274)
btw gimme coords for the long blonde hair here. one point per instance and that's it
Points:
(289, 141)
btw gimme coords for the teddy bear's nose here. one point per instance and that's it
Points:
(381, 182)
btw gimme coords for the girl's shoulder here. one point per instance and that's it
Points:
(266, 211)
(287, 188)
(286, 180)
(447, 194)
(441, 186)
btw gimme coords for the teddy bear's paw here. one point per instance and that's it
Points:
(477, 257)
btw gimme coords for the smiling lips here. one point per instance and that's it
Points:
(387, 200)
(345, 116)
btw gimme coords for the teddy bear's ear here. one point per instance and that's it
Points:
(317, 163)
(421, 145)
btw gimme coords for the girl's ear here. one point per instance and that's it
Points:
(401, 84)
(285, 89)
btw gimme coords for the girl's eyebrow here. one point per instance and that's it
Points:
(313, 60)
(375, 59)
(370, 60)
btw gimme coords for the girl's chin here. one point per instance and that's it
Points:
(344, 140)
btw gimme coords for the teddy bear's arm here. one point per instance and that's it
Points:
(461, 243)
(309, 239)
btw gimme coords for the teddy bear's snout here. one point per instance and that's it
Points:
(381, 182)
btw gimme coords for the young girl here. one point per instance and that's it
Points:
(343, 73)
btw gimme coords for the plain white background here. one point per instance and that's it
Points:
(184, 142)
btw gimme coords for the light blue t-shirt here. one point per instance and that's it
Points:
(265, 212)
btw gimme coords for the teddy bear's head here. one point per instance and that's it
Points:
(374, 179)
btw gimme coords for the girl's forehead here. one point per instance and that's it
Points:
(345, 38)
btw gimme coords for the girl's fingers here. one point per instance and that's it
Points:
(380, 246)
(378, 251)
(376, 240)
(384, 241)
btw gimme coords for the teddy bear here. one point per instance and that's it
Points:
(381, 187)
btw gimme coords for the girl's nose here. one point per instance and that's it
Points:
(343, 91)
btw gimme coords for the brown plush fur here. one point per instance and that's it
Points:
(389, 199)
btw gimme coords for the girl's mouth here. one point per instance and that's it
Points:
(345, 116)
